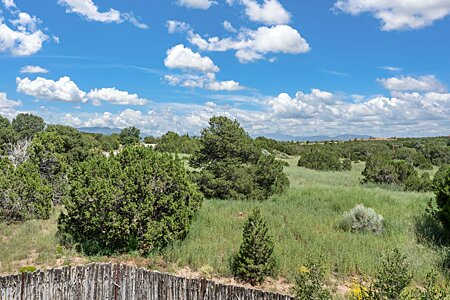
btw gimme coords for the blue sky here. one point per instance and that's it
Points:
(293, 67)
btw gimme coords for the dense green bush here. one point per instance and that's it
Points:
(130, 136)
(173, 143)
(385, 171)
(27, 125)
(24, 195)
(7, 134)
(391, 279)
(419, 184)
(323, 161)
(232, 167)
(309, 283)
(255, 260)
(441, 188)
(137, 200)
(362, 219)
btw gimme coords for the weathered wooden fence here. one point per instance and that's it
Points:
(111, 281)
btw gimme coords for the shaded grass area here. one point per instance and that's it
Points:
(304, 222)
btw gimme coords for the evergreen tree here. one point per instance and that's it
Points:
(130, 136)
(441, 184)
(255, 259)
(27, 125)
(233, 167)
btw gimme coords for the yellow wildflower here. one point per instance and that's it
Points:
(303, 269)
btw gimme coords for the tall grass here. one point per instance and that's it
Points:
(304, 222)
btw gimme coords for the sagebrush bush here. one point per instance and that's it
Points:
(362, 219)
(255, 260)
(137, 200)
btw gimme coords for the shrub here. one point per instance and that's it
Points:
(432, 290)
(255, 259)
(391, 278)
(380, 170)
(309, 283)
(130, 136)
(362, 219)
(232, 167)
(27, 125)
(347, 164)
(24, 195)
(138, 200)
(320, 160)
(441, 188)
(419, 184)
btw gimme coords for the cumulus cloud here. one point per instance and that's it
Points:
(33, 70)
(197, 71)
(22, 36)
(398, 14)
(63, 89)
(270, 12)
(250, 45)
(303, 114)
(406, 83)
(205, 81)
(90, 11)
(198, 4)
(114, 96)
(181, 57)
(6, 103)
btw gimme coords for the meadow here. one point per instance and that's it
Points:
(304, 223)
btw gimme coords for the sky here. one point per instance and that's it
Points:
(290, 67)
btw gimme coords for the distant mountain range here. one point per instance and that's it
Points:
(102, 130)
(316, 138)
(275, 136)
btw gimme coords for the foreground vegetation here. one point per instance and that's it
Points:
(303, 222)
(322, 222)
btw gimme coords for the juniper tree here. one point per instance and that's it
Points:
(255, 259)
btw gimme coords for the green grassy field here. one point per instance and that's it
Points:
(304, 222)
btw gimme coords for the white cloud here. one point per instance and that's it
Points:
(205, 81)
(398, 14)
(90, 11)
(62, 90)
(22, 37)
(177, 26)
(228, 26)
(6, 104)
(9, 3)
(406, 83)
(198, 4)
(33, 70)
(181, 57)
(65, 90)
(390, 68)
(114, 96)
(250, 45)
(304, 114)
(270, 12)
